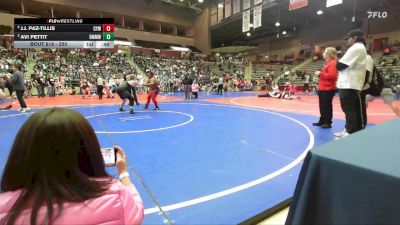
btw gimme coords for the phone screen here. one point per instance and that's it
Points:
(109, 156)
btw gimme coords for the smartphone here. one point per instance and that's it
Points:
(109, 156)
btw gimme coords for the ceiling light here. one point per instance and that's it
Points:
(220, 5)
(248, 34)
(201, 1)
(320, 12)
(277, 24)
(284, 32)
(250, 25)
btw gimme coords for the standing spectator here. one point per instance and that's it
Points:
(307, 82)
(51, 90)
(352, 71)
(187, 83)
(40, 85)
(112, 84)
(327, 87)
(28, 85)
(19, 87)
(363, 94)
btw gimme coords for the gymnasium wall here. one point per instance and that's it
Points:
(202, 32)
(393, 36)
(154, 11)
(320, 33)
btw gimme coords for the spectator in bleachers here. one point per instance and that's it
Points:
(72, 184)
(397, 88)
(327, 87)
(8, 82)
(2, 82)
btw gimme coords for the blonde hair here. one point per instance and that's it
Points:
(331, 53)
(131, 77)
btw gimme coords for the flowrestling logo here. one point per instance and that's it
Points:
(377, 14)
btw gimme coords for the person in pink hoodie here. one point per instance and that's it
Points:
(55, 174)
(195, 89)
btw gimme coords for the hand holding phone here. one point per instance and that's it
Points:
(121, 160)
(109, 156)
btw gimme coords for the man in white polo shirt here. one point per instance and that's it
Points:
(352, 71)
(364, 92)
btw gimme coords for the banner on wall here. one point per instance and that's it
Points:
(246, 21)
(236, 6)
(220, 10)
(297, 4)
(256, 2)
(246, 4)
(257, 13)
(330, 3)
(228, 8)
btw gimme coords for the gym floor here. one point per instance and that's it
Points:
(213, 160)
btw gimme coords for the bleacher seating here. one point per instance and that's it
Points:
(389, 65)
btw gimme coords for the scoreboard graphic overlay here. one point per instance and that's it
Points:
(64, 33)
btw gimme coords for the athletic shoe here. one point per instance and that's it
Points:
(341, 133)
(24, 110)
(326, 125)
(121, 109)
(138, 103)
(131, 111)
(157, 108)
(146, 107)
(344, 134)
(8, 107)
(317, 124)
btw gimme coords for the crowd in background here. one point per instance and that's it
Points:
(77, 71)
